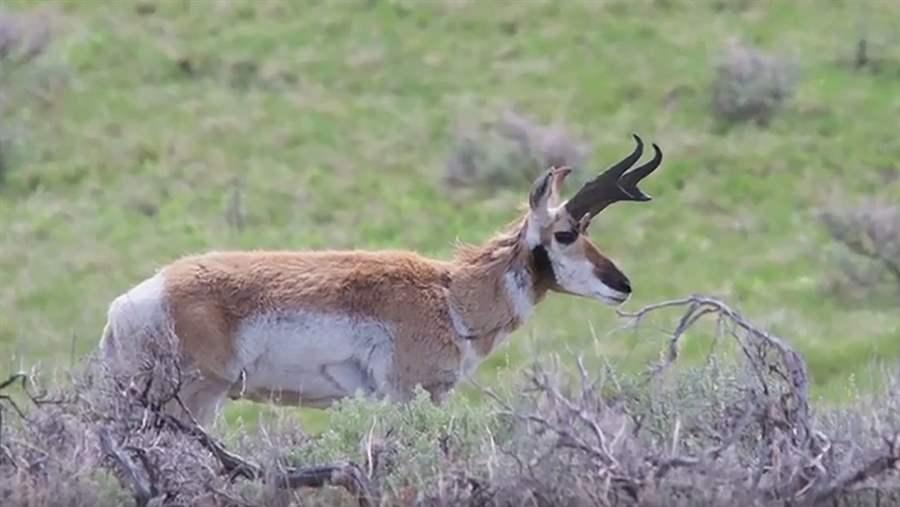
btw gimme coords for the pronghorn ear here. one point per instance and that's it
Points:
(545, 191)
(556, 183)
(540, 192)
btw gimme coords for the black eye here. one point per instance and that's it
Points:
(565, 237)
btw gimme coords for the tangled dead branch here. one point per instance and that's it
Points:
(778, 401)
(142, 476)
(879, 465)
(738, 435)
(768, 355)
(161, 380)
(27, 388)
(143, 483)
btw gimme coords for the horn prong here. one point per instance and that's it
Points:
(629, 180)
(619, 168)
(618, 183)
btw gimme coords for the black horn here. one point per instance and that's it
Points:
(615, 184)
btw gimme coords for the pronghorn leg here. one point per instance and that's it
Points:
(440, 392)
(204, 397)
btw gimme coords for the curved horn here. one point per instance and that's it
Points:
(614, 184)
(629, 180)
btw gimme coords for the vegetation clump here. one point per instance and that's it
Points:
(750, 84)
(737, 430)
(510, 150)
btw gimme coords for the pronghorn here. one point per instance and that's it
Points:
(312, 327)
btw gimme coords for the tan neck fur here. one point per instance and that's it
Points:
(480, 292)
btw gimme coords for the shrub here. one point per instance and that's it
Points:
(869, 235)
(510, 150)
(23, 38)
(750, 85)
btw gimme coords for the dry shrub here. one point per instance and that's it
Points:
(750, 85)
(510, 150)
(869, 235)
(24, 36)
(109, 437)
(737, 430)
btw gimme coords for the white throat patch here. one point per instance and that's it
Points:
(520, 292)
(532, 233)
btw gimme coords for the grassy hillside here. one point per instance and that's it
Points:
(152, 129)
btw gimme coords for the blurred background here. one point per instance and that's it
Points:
(134, 132)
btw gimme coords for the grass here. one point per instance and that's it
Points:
(338, 117)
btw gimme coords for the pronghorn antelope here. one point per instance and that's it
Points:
(312, 327)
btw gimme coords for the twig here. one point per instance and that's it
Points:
(346, 475)
(890, 460)
(39, 398)
(16, 377)
(144, 488)
(232, 464)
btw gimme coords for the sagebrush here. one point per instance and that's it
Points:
(870, 232)
(511, 149)
(24, 37)
(750, 84)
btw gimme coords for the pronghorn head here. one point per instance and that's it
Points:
(557, 232)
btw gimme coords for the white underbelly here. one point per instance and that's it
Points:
(313, 358)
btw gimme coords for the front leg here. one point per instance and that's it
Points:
(440, 391)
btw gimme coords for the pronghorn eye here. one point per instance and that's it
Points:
(565, 237)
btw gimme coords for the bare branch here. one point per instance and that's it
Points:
(877, 466)
(142, 484)
(792, 367)
(347, 475)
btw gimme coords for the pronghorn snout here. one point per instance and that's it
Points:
(615, 286)
(617, 281)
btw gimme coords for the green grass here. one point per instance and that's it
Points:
(338, 117)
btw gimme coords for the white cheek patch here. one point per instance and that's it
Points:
(577, 276)
(574, 275)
